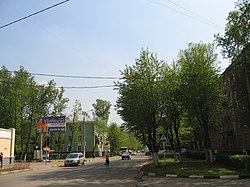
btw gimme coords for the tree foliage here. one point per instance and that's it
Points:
(200, 84)
(102, 109)
(138, 103)
(22, 101)
(237, 30)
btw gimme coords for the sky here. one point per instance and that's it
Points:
(99, 38)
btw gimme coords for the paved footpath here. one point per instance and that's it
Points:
(40, 165)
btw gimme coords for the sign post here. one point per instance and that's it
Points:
(163, 139)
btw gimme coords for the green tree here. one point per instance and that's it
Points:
(171, 103)
(138, 102)
(237, 31)
(115, 138)
(76, 125)
(102, 112)
(102, 109)
(200, 85)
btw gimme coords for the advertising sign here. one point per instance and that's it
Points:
(51, 124)
(56, 124)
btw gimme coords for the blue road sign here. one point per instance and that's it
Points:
(163, 137)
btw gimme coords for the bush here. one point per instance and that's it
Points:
(196, 154)
(236, 160)
(240, 161)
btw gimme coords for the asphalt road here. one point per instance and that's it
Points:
(120, 173)
(95, 174)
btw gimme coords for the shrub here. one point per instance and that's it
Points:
(240, 161)
(196, 154)
(233, 158)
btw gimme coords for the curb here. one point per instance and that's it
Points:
(14, 171)
(196, 176)
(38, 168)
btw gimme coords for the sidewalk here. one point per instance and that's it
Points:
(40, 165)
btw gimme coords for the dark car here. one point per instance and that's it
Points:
(147, 152)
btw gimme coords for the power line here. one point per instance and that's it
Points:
(195, 14)
(33, 14)
(86, 87)
(64, 87)
(187, 15)
(71, 76)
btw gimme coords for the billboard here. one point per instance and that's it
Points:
(51, 124)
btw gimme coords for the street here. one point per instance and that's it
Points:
(95, 174)
(120, 173)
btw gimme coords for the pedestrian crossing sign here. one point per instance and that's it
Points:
(163, 137)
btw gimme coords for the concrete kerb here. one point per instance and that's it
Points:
(196, 176)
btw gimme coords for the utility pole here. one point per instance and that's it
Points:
(84, 139)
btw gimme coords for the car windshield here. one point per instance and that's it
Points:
(72, 156)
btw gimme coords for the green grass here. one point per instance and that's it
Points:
(191, 167)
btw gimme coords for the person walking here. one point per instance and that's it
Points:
(1, 159)
(107, 161)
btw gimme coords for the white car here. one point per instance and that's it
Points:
(125, 154)
(166, 153)
(74, 159)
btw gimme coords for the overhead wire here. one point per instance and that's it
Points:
(64, 87)
(209, 21)
(72, 76)
(197, 18)
(33, 14)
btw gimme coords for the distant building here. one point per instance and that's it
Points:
(234, 129)
(73, 138)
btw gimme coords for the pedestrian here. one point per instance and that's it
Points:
(1, 159)
(107, 161)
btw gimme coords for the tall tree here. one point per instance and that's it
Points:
(115, 138)
(201, 89)
(171, 103)
(76, 125)
(138, 103)
(22, 101)
(237, 31)
(102, 109)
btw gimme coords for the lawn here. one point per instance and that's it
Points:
(191, 167)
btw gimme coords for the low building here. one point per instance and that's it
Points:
(7, 144)
(82, 136)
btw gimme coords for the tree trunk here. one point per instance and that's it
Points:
(155, 158)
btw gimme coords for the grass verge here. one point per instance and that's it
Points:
(191, 167)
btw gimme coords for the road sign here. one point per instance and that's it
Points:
(163, 137)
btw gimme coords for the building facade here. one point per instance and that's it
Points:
(7, 144)
(233, 132)
(82, 136)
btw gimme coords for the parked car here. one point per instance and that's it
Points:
(182, 151)
(74, 159)
(147, 152)
(167, 153)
